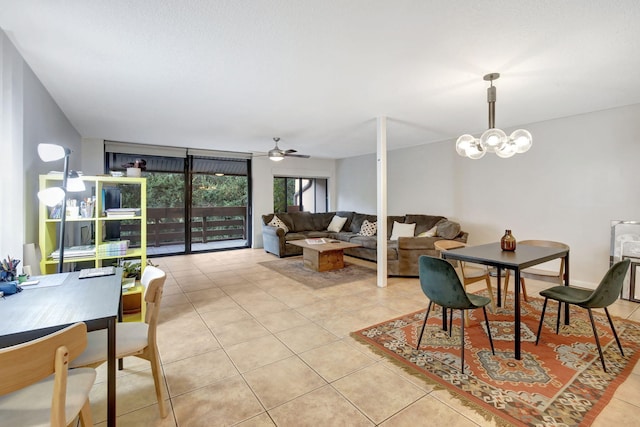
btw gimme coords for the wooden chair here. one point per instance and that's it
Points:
(603, 296)
(441, 284)
(36, 386)
(134, 338)
(470, 273)
(537, 274)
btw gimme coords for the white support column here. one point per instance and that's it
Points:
(381, 157)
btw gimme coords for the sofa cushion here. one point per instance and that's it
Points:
(294, 236)
(302, 221)
(336, 224)
(402, 230)
(277, 222)
(286, 218)
(448, 229)
(357, 219)
(423, 222)
(321, 220)
(343, 236)
(365, 241)
(368, 228)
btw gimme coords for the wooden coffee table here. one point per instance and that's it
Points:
(324, 256)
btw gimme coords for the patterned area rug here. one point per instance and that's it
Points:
(293, 268)
(560, 382)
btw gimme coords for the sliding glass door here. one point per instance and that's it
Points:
(219, 206)
(195, 202)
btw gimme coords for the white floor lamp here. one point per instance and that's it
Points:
(54, 195)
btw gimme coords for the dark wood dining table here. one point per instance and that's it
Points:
(59, 300)
(524, 256)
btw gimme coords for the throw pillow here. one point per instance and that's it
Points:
(336, 224)
(448, 229)
(429, 233)
(277, 222)
(368, 228)
(402, 230)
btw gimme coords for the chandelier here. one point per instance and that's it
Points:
(493, 140)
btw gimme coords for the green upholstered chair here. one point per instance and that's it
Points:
(603, 296)
(441, 284)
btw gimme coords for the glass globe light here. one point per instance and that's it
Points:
(475, 151)
(522, 140)
(507, 150)
(464, 143)
(493, 139)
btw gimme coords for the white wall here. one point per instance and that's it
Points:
(263, 171)
(29, 117)
(577, 177)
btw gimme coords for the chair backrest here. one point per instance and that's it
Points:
(153, 280)
(610, 286)
(441, 284)
(25, 364)
(548, 244)
(444, 245)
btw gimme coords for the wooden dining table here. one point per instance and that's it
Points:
(59, 300)
(524, 256)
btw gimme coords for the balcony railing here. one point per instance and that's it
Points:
(166, 226)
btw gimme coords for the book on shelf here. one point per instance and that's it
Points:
(81, 251)
(122, 212)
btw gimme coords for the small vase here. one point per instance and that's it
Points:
(508, 242)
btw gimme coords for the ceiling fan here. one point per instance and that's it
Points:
(276, 154)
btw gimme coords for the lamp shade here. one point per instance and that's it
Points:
(75, 183)
(522, 139)
(52, 152)
(276, 155)
(51, 196)
(493, 139)
(464, 143)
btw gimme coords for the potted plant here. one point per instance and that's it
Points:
(133, 269)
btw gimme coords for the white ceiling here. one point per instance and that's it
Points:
(230, 75)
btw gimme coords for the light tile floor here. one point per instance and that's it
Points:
(243, 345)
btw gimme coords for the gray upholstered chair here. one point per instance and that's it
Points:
(441, 284)
(603, 296)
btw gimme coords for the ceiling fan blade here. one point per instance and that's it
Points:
(290, 151)
(302, 156)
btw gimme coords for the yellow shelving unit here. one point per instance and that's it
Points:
(94, 224)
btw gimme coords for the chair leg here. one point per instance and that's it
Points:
(490, 289)
(450, 321)
(615, 334)
(425, 322)
(558, 318)
(505, 288)
(86, 419)
(462, 337)
(155, 371)
(544, 308)
(524, 290)
(595, 334)
(486, 319)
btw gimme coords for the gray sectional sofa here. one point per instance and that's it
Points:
(402, 254)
